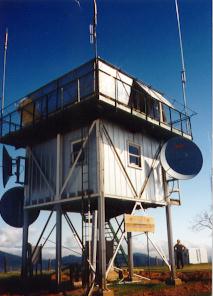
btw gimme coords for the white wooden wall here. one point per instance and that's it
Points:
(115, 181)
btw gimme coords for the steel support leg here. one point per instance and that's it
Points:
(58, 208)
(130, 255)
(170, 241)
(101, 244)
(58, 245)
(169, 227)
(24, 269)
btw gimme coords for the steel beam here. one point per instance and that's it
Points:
(101, 213)
(110, 142)
(169, 227)
(58, 209)
(157, 153)
(130, 255)
(24, 269)
(170, 241)
(159, 252)
(77, 158)
(58, 244)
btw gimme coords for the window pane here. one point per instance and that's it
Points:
(75, 150)
(134, 150)
(153, 108)
(132, 159)
(135, 160)
(135, 155)
(77, 147)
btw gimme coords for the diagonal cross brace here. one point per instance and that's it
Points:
(151, 170)
(160, 253)
(119, 160)
(77, 158)
(120, 240)
(41, 171)
(115, 253)
(75, 233)
(137, 204)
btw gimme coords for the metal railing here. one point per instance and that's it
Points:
(31, 110)
(162, 114)
(73, 88)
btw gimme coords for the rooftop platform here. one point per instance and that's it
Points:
(94, 90)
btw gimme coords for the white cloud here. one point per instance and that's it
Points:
(10, 240)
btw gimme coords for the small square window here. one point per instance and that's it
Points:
(134, 155)
(75, 148)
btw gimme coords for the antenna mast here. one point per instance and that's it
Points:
(4, 71)
(183, 72)
(92, 28)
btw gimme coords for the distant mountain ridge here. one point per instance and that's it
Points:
(14, 262)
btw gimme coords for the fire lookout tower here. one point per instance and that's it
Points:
(93, 139)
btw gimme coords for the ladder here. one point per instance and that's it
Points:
(174, 191)
(111, 235)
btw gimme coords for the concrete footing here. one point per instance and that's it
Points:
(174, 282)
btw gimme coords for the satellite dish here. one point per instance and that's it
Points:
(181, 158)
(11, 208)
(6, 166)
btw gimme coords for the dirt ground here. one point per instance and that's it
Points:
(194, 283)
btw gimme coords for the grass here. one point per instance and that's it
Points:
(12, 283)
(122, 290)
(189, 267)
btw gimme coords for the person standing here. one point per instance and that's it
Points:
(179, 250)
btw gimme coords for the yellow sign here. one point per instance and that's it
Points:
(139, 223)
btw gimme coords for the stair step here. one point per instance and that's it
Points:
(175, 202)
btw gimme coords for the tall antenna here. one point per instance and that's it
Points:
(183, 72)
(4, 71)
(92, 28)
(212, 109)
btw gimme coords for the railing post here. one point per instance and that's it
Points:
(181, 123)
(190, 126)
(116, 95)
(46, 107)
(78, 91)
(33, 113)
(10, 123)
(1, 126)
(145, 100)
(170, 117)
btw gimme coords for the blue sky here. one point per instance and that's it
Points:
(48, 38)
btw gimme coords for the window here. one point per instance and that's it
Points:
(134, 154)
(153, 108)
(75, 148)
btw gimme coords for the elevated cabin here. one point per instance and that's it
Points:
(111, 128)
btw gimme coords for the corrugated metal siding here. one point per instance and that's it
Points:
(89, 177)
(115, 181)
(45, 153)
